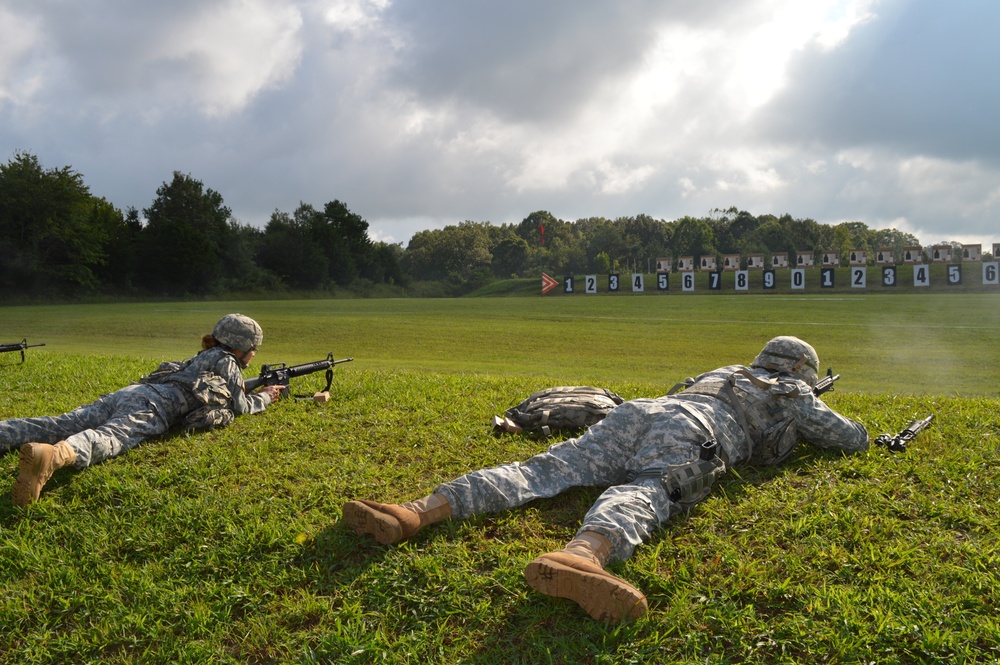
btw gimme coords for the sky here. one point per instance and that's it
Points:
(419, 114)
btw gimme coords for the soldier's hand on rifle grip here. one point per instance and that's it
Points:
(274, 392)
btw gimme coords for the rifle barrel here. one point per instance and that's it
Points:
(309, 368)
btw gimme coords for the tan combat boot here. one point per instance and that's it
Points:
(577, 572)
(38, 462)
(392, 523)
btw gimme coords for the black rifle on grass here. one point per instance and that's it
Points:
(19, 346)
(826, 383)
(280, 374)
(897, 444)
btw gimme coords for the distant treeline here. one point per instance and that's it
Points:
(59, 240)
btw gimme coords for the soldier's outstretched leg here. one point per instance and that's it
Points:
(577, 573)
(37, 464)
(391, 523)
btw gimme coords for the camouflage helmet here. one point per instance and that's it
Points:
(792, 356)
(238, 332)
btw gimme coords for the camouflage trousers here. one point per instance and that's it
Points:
(106, 428)
(634, 441)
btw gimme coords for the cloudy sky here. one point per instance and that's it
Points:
(423, 113)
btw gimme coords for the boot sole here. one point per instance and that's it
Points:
(23, 493)
(603, 597)
(368, 521)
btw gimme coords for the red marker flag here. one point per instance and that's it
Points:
(541, 230)
(548, 283)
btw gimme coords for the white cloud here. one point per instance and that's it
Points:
(229, 52)
(18, 35)
(355, 16)
(954, 191)
(436, 112)
(837, 27)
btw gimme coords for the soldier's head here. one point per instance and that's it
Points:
(792, 356)
(238, 332)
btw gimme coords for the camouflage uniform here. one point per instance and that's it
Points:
(118, 422)
(630, 450)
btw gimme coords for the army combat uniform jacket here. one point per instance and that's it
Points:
(754, 416)
(209, 382)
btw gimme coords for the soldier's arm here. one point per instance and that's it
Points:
(243, 404)
(822, 426)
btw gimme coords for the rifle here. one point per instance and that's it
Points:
(897, 444)
(280, 374)
(826, 383)
(19, 346)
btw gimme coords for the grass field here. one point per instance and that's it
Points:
(226, 547)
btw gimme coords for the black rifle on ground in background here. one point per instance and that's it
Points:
(19, 346)
(897, 444)
(280, 374)
(826, 383)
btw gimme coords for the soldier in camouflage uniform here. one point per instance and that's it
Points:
(202, 392)
(650, 455)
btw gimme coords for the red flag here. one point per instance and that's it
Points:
(541, 229)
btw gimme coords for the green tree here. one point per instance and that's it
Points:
(893, 238)
(121, 232)
(510, 251)
(563, 249)
(848, 236)
(740, 231)
(313, 249)
(181, 246)
(567, 255)
(645, 238)
(539, 228)
(454, 253)
(241, 269)
(601, 263)
(692, 237)
(604, 242)
(773, 236)
(52, 231)
(288, 249)
(343, 237)
(804, 234)
(384, 264)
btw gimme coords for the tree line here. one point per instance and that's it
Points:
(59, 240)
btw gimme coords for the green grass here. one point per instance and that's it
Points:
(226, 547)
(909, 344)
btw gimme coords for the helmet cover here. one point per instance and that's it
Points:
(792, 356)
(238, 332)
